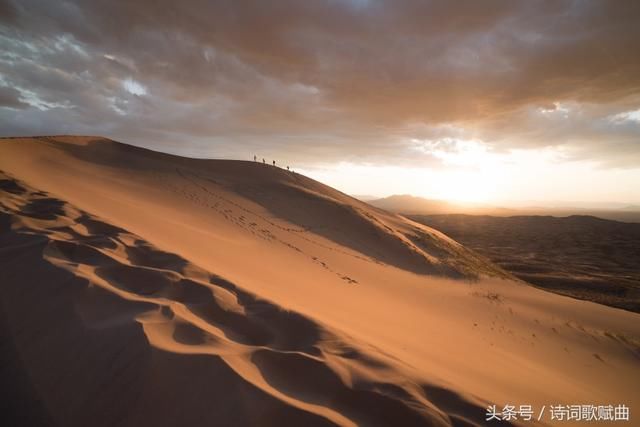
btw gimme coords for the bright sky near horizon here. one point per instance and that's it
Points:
(495, 101)
(472, 173)
(506, 184)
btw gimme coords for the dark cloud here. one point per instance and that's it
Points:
(340, 79)
(10, 97)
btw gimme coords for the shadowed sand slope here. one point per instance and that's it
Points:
(158, 290)
(139, 336)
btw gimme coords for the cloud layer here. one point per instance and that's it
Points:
(355, 80)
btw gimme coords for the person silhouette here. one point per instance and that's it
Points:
(263, 160)
(254, 157)
(274, 163)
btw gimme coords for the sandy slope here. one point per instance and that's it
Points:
(168, 291)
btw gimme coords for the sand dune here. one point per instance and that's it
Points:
(140, 288)
(581, 256)
(127, 314)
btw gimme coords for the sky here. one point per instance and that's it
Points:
(492, 101)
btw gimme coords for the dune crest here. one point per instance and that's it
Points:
(283, 199)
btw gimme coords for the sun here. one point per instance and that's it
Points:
(463, 186)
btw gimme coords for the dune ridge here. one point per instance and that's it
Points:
(354, 225)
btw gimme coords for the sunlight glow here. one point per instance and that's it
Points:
(455, 151)
(518, 175)
(456, 184)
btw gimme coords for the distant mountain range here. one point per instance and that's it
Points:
(412, 205)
